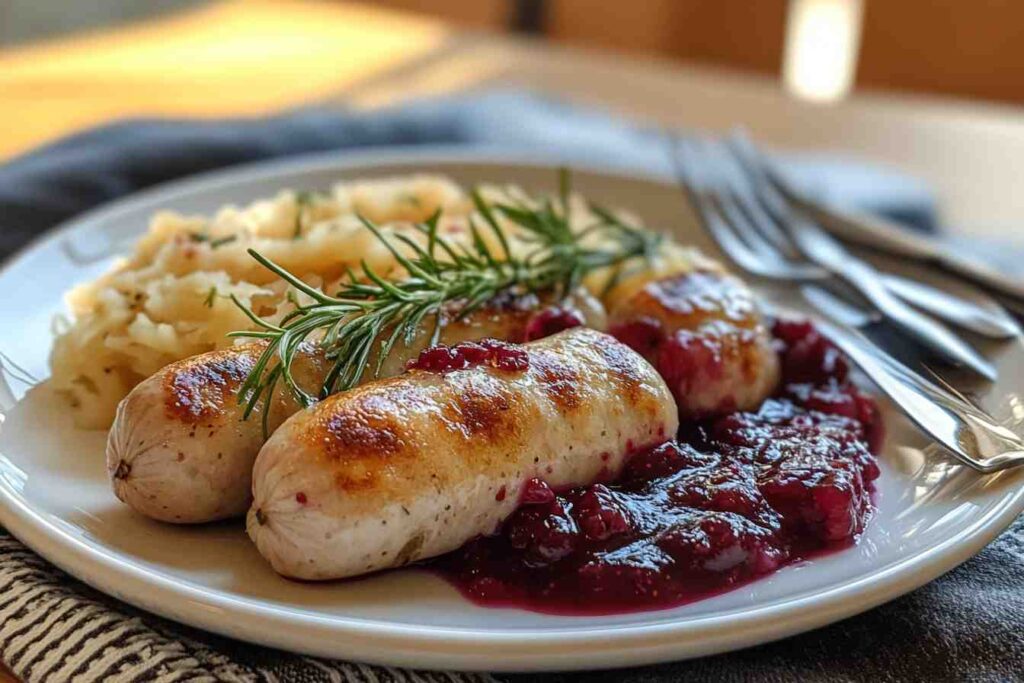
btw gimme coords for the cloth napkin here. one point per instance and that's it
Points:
(968, 625)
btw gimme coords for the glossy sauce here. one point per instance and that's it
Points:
(497, 354)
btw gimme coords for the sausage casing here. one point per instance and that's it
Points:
(705, 333)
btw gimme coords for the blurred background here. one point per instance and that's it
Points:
(887, 79)
(815, 49)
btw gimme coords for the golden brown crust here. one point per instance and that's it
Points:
(618, 360)
(685, 302)
(485, 411)
(417, 465)
(559, 381)
(197, 388)
(181, 451)
(200, 389)
(372, 432)
(365, 428)
(368, 436)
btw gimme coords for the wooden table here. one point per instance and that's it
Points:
(257, 56)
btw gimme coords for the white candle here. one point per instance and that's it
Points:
(822, 44)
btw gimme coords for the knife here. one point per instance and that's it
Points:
(877, 233)
(964, 313)
(941, 413)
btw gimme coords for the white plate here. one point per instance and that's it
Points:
(54, 494)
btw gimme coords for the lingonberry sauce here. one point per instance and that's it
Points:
(497, 354)
(643, 335)
(551, 320)
(732, 499)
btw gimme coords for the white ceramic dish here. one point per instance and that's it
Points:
(54, 494)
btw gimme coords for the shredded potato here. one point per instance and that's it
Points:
(171, 298)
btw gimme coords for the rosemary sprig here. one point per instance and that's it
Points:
(442, 278)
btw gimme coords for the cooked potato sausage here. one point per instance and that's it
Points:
(704, 333)
(179, 451)
(414, 466)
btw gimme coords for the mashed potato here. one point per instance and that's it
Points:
(170, 299)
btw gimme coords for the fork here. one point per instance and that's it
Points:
(964, 429)
(764, 236)
(878, 234)
(993, 322)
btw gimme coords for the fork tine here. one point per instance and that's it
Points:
(683, 173)
(723, 229)
(722, 187)
(775, 212)
(709, 211)
(750, 163)
(740, 208)
(764, 217)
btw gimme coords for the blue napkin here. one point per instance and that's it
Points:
(967, 625)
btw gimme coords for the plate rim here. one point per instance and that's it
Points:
(453, 648)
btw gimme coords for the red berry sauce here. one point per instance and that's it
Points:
(733, 499)
(643, 335)
(552, 320)
(497, 354)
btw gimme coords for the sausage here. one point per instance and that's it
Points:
(704, 333)
(411, 467)
(179, 451)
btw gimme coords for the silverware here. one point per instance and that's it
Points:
(965, 314)
(961, 312)
(748, 205)
(965, 430)
(879, 234)
(962, 428)
(993, 322)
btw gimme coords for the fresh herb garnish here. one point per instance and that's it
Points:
(442, 277)
(303, 200)
(208, 301)
(214, 243)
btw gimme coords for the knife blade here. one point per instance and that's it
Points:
(964, 313)
(882, 235)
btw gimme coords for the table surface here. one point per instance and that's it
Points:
(230, 59)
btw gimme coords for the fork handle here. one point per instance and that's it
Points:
(942, 415)
(877, 233)
(925, 330)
